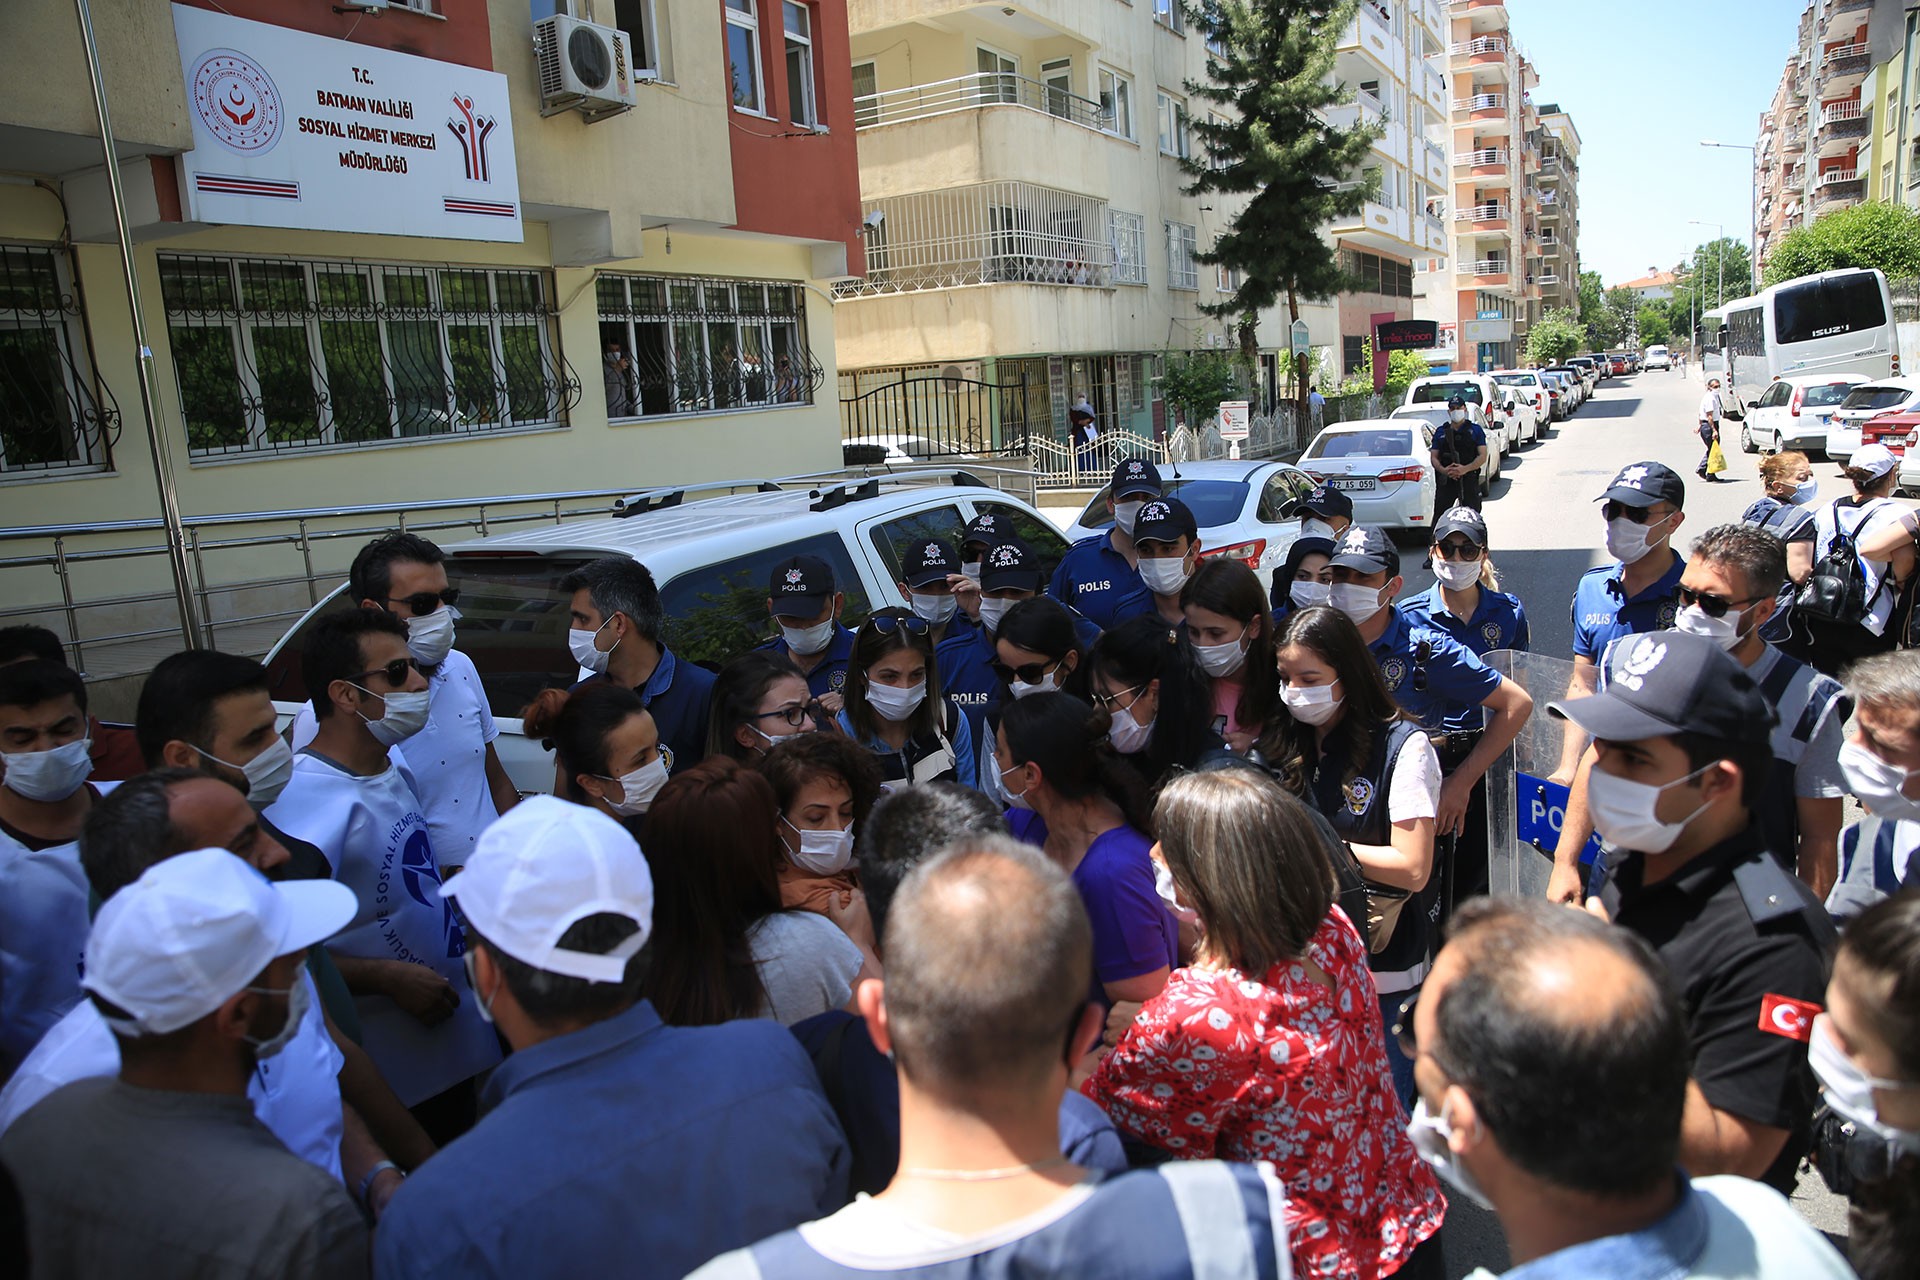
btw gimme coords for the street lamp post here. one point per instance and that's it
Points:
(1753, 213)
(1719, 255)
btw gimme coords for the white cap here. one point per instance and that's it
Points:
(1876, 460)
(541, 868)
(197, 929)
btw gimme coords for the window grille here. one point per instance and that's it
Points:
(695, 345)
(54, 415)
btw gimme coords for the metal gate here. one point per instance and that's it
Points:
(940, 417)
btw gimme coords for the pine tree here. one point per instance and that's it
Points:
(1270, 65)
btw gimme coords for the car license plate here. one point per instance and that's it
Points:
(1352, 482)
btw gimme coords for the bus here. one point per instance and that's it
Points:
(1834, 322)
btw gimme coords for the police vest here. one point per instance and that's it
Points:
(1801, 709)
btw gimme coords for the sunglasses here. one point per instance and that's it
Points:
(1108, 701)
(1458, 551)
(888, 623)
(794, 716)
(1711, 605)
(1639, 515)
(425, 602)
(1031, 673)
(395, 671)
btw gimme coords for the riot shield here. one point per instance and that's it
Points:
(1525, 806)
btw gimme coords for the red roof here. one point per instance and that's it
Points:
(1658, 280)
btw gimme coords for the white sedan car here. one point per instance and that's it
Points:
(1381, 464)
(1244, 509)
(1793, 413)
(1863, 402)
(1434, 415)
(1529, 388)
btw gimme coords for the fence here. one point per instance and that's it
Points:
(989, 233)
(938, 417)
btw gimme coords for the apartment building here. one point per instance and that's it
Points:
(1553, 257)
(393, 258)
(1026, 221)
(1818, 145)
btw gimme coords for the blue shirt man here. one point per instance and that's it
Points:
(615, 622)
(805, 603)
(1638, 592)
(606, 1134)
(1098, 575)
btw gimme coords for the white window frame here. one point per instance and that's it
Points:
(1129, 232)
(1116, 88)
(806, 115)
(1182, 271)
(869, 114)
(746, 19)
(1168, 14)
(1172, 115)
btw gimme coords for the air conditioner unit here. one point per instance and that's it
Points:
(956, 374)
(585, 67)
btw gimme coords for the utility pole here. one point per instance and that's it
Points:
(1753, 213)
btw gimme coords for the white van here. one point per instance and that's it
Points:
(1657, 357)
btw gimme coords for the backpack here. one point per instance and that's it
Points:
(1836, 590)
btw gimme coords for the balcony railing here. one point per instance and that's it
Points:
(1481, 156)
(1837, 178)
(1546, 279)
(1482, 213)
(972, 93)
(1832, 58)
(1479, 44)
(1835, 112)
(1489, 267)
(1481, 102)
(1549, 241)
(1838, 7)
(992, 233)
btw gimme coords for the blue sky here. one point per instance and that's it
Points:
(1645, 81)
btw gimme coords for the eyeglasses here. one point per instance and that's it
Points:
(794, 716)
(395, 671)
(1403, 1027)
(425, 602)
(1711, 605)
(1108, 701)
(1639, 515)
(1031, 673)
(1458, 551)
(888, 623)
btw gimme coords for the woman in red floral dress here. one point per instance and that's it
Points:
(1268, 1046)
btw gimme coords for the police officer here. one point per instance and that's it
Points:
(805, 604)
(1682, 761)
(1458, 452)
(1167, 540)
(1431, 675)
(929, 572)
(981, 532)
(1098, 576)
(1325, 512)
(1009, 573)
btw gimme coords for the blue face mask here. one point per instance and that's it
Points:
(1804, 492)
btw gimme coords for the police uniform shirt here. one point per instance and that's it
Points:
(828, 677)
(1602, 613)
(1097, 580)
(1432, 676)
(679, 696)
(1499, 621)
(1740, 934)
(964, 663)
(1463, 454)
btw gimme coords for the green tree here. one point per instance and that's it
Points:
(1698, 282)
(1653, 322)
(1886, 236)
(1621, 305)
(1602, 326)
(1554, 337)
(1270, 65)
(1195, 383)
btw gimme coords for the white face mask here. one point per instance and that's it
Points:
(1165, 575)
(1220, 660)
(637, 788)
(297, 1002)
(480, 1002)
(51, 775)
(991, 611)
(430, 638)
(1628, 542)
(266, 774)
(971, 570)
(935, 610)
(1880, 786)
(1014, 800)
(807, 641)
(1849, 1090)
(1124, 513)
(824, 853)
(1457, 574)
(1356, 601)
(1020, 688)
(580, 644)
(896, 704)
(1432, 1140)
(1315, 705)
(1312, 528)
(1456, 415)
(1163, 886)
(1127, 734)
(1307, 594)
(1724, 631)
(405, 715)
(1804, 492)
(1622, 811)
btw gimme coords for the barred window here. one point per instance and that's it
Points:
(681, 344)
(1129, 247)
(275, 355)
(54, 415)
(1182, 272)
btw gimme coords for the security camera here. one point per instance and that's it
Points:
(873, 219)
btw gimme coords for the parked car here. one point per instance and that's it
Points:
(711, 556)
(1434, 414)
(1792, 413)
(1589, 369)
(1575, 380)
(1245, 510)
(1569, 387)
(1865, 401)
(1529, 388)
(1900, 432)
(1602, 363)
(1381, 464)
(1658, 357)
(1617, 361)
(1507, 415)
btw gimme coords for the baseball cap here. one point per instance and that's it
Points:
(1666, 682)
(800, 587)
(1164, 520)
(541, 868)
(986, 529)
(195, 930)
(1641, 484)
(1875, 459)
(1464, 521)
(1365, 550)
(1135, 475)
(1010, 564)
(929, 561)
(1325, 500)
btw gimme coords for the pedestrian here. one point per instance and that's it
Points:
(894, 707)
(1458, 452)
(1857, 598)
(825, 786)
(163, 1170)
(616, 628)
(606, 748)
(1080, 424)
(1709, 429)
(588, 1148)
(1566, 1116)
(1099, 575)
(1683, 760)
(929, 572)
(1091, 819)
(116, 755)
(1316, 405)
(352, 796)
(457, 771)
(1785, 511)
(1881, 763)
(1158, 700)
(1231, 634)
(760, 699)
(44, 802)
(1167, 540)
(1302, 580)
(1266, 1046)
(1350, 752)
(984, 1011)
(806, 604)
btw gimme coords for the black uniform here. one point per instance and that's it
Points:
(1735, 927)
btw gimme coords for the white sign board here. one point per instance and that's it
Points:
(1487, 330)
(298, 130)
(1297, 331)
(1233, 419)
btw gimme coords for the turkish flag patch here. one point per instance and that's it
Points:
(1785, 1016)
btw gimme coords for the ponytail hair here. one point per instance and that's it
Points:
(1067, 738)
(575, 726)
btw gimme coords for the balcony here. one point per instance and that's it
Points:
(1546, 279)
(1837, 178)
(1371, 35)
(1434, 89)
(1837, 7)
(992, 233)
(1476, 46)
(1840, 123)
(1494, 212)
(1488, 271)
(1481, 102)
(1845, 62)
(975, 93)
(1483, 157)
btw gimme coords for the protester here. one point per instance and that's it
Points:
(894, 708)
(759, 701)
(616, 634)
(1786, 509)
(1709, 430)
(806, 604)
(1167, 541)
(1232, 636)
(163, 1171)
(1099, 575)
(984, 1010)
(116, 755)
(606, 748)
(1302, 580)
(825, 786)
(1053, 757)
(1350, 752)
(1857, 597)
(352, 798)
(1038, 649)
(576, 1160)
(723, 946)
(1267, 1047)
(44, 801)
(1562, 1112)
(1682, 767)
(1881, 763)
(1158, 700)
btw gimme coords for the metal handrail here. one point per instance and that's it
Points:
(1480, 102)
(1859, 49)
(1482, 155)
(1833, 112)
(1479, 44)
(973, 92)
(1481, 213)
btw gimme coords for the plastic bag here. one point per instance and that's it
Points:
(1716, 459)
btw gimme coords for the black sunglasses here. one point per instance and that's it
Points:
(1459, 551)
(395, 671)
(425, 602)
(1639, 515)
(1711, 605)
(1031, 673)
(888, 623)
